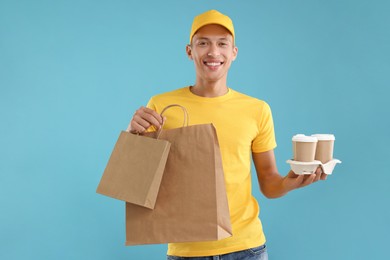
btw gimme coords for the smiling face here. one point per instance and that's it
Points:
(212, 49)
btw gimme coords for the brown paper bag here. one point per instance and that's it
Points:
(134, 170)
(192, 202)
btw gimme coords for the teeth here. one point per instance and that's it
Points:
(213, 63)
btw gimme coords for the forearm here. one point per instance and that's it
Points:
(272, 186)
(271, 183)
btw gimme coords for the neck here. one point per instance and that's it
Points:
(209, 89)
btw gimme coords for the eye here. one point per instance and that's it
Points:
(223, 44)
(202, 43)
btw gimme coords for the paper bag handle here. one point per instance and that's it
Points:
(185, 121)
(186, 117)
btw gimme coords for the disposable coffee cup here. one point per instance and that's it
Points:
(304, 148)
(325, 146)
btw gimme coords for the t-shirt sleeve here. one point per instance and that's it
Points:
(151, 104)
(265, 139)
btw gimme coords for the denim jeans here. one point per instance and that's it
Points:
(256, 253)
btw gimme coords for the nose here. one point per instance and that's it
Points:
(213, 50)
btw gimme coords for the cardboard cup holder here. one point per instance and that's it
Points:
(310, 167)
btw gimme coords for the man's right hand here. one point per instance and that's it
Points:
(144, 118)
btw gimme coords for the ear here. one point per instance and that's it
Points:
(189, 51)
(235, 52)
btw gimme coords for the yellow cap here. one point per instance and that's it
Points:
(211, 17)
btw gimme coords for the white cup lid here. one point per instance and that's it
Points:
(304, 138)
(324, 137)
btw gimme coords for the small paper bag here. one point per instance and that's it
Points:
(134, 170)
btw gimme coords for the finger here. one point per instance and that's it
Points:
(151, 116)
(143, 118)
(308, 180)
(140, 121)
(137, 128)
(324, 176)
(298, 180)
(153, 113)
(317, 176)
(293, 181)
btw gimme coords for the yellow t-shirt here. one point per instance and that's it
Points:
(244, 125)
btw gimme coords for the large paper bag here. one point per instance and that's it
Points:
(134, 170)
(192, 203)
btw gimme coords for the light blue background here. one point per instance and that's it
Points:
(72, 73)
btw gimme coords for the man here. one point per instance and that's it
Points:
(244, 127)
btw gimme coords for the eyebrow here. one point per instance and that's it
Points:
(207, 38)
